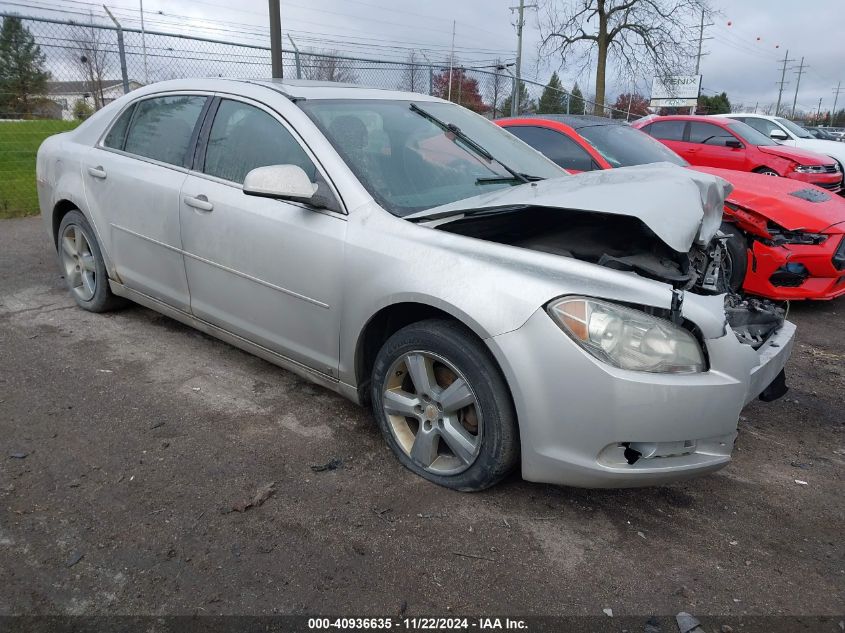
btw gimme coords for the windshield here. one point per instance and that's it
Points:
(408, 163)
(623, 146)
(797, 130)
(748, 133)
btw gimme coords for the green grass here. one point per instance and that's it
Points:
(19, 141)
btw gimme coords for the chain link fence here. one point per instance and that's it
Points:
(65, 71)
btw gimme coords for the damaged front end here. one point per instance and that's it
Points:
(626, 244)
(660, 222)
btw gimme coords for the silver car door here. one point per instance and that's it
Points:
(132, 181)
(266, 270)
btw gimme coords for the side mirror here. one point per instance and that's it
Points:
(732, 142)
(282, 182)
(779, 135)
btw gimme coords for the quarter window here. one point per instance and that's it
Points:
(667, 130)
(555, 145)
(117, 134)
(244, 137)
(163, 126)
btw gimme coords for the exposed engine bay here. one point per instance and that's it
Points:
(625, 243)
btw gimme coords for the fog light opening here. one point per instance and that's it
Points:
(631, 455)
(789, 276)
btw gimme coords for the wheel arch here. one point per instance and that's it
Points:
(60, 210)
(761, 168)
(390, 319)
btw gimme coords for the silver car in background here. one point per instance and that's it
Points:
(409, 254)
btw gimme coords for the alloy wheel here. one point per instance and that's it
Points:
(433, 413)
(79, 263)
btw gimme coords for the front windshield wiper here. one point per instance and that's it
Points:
(485, 180)
(439, 215)
(478, 149)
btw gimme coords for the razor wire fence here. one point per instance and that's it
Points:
(71, 69)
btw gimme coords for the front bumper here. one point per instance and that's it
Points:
(832, 181)
(577, 414)
(822, 280)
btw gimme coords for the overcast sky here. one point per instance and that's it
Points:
(749, 36)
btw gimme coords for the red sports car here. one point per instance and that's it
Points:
(731, 144)
(787, 238)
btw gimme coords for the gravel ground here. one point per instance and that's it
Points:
(139, 433)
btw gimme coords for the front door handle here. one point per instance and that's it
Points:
(200, 202)
(97, 172)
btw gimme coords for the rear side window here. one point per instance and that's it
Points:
(709, 134)
(244, 137)
(163, 126)
(117, 134)
(556, 146)
(667, 130)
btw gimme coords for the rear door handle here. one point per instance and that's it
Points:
(200, 202)
(97, 172)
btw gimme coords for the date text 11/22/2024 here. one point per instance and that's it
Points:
(417, 624)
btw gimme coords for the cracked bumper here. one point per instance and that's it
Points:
(576, 414)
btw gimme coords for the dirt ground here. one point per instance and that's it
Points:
(125, 436)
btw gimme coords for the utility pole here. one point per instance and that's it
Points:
(835, 100)
(785, 60)
(144, 44)
(701, 39)
(121, 51)
(819, 113)
(276, 40)
(296, 57)
(520, 22)
(451, 63)
(798, 83)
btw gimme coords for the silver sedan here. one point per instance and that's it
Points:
(409, 254)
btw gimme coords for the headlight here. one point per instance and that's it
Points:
(784, 236)
(626, 338)
(810, 169)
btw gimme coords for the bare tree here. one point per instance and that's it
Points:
(498, 87)
(327, 66)
(635, 35)
(95, 60)
(413, 75)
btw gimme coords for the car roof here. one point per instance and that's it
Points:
(575, 121)
(754, 114)
(291, 88)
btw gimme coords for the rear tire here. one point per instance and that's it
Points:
(83, 266)
(737, 247)
(443, 406)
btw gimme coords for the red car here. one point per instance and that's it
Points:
(731, 144)
(787, 238)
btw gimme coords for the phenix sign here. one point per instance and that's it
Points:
(675, 90)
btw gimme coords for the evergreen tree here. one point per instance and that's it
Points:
(717, 104)
(23, 77)
(553, 99)
(526, 105)
(576, 100)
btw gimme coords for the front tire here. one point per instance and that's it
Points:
(82, 263)
(443, 406)
(768, 171)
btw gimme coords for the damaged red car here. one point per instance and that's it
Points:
(786, 237)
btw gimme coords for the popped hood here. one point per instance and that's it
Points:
(680, 206)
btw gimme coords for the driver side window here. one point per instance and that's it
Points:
(244, 137)
(763, 125)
